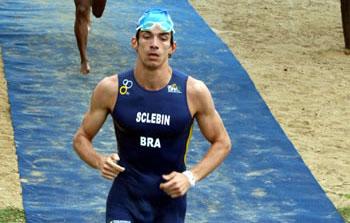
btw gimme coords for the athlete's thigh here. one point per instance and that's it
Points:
(172, 212)
(170, 217)
(98, 6)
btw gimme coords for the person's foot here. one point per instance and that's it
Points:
(347, 51)
(85, 68)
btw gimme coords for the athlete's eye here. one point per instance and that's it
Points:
(146, 35)
(164, 37)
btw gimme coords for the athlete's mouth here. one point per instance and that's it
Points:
(153, 55)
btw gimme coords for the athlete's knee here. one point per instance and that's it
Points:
(82, 11)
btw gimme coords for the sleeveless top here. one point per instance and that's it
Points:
(153, 129)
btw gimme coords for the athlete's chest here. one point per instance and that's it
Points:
(154, 114)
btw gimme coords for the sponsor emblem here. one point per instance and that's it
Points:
(127, 84)
(173, 88)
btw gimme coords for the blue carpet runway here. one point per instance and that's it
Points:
(263, 180)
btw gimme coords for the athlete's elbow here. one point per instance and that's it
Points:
(224, 146)
(227, 146)
(77, 141)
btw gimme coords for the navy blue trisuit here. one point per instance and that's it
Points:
(153, 129)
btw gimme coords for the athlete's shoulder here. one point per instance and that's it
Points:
(196, 87)
(106, 92)
(108, 84)
(199, 97)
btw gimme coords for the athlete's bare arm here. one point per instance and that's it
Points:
(102, 103)
(202, 108)
(211, 126)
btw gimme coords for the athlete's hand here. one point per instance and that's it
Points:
(176, 184)
(109, 168)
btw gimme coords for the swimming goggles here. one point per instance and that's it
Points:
(153, 17)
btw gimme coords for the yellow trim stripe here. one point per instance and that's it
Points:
(188, 143)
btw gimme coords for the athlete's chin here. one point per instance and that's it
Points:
(152, 65)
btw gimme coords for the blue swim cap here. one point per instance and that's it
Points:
(155, 16)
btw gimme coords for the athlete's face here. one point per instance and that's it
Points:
(154, 47)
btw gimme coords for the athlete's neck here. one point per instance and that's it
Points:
(153, 79)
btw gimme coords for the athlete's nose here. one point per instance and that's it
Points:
(154, 43)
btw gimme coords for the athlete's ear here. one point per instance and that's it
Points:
(172, 49)
(134, 43)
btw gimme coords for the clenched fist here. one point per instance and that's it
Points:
(109, 167)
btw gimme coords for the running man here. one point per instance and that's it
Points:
(82, 27)
(153, 108)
